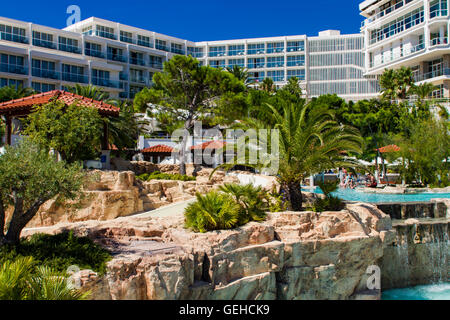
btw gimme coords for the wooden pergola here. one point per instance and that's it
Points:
(20, 108)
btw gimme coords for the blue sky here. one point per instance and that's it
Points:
(201, 20)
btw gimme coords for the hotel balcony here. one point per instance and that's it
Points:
(13, 68)
(117, 57)
(256, 65)
(105, 83)
(141, 80)
(295, 49)
(44, 43)
(438, 41)
(385, 12)
(105, 34)
(398, 56)
(137, 62)
(94, 53)
(72, 77)
(69, 48)
(177, 51)
(43, 73)
(444, 72)
(13, 37)
(156, 65)
(145, 43)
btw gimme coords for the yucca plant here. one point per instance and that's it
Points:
(212, 211)
(252, 200)
(330, 202)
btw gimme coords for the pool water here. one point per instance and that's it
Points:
(354, 195)
(429, 292)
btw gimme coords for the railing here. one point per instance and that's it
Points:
(13, 37)
(44, 43)
(236, 52)
(256, 51)
(137, 61)
(433, 74)
(123, 76)
(156, 65)
(105, 82)
(385, 12)
(275, 64)
(161, 47)
(43, 73)
(232, 65)
(69, 48)
(197, 54)
(295, 49)
(217, 54)
(145, 43)
(126, 39)
(275, 50)
(117, 57)
(256, 65)
(138, 79)
(397, 56)
(177, 51)
(13, 68)
(94, 53)
(105, 34)
(73, 77)
(438, 41)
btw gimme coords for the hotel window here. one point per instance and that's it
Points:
(156, 62)
(69, 45)
(73, 73)
(275, 62)
(256, 76)
(295, 61)
(256, 48)
(42, 39)
(293, 46)
(236, 50)
(438, 8)
(4, 82)
(217, 63)
(87, 31)
(438, 93)
(137, 58)
(100, 78)
(144, 41)
(176, 48)
(12, 34)
(93, 50)
(276, 47)
(126, 36)
(161, 45)
(105, 32)
(195, 52)
(255, 63)
(276, 75)
(299, 74)
(416, 72)
(12, 64)
(44, 69)
(137, 76)
(43, 87)
(236, 62)
(116, 54)
(435, 67)
(401, 48)
(219, 51)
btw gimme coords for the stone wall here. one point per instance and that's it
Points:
(292, 255)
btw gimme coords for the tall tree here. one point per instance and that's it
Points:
(188, 92)
(267, 85)
(396, 84)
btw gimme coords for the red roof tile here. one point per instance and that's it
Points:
(390, 148)
(158, 149)
(25, 104)
(209, 145)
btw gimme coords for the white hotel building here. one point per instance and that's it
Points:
(122, 59)
(410, 33)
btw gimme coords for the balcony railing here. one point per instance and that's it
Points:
(13, 68)
(105, 34)
(256, 51)
(44, 43)
(69, 48)
(177, 51)
(117, 57)
(275, 50)
(137, 61)
(295, 63)
(385, 12)
(433, 74)
(94, 53)
(217, 54)
(13, 37)
(399, 55)
(236, 52)
(145, 43)
(126, 39)
(43, 73)
(105, 82)
(156, 65)
(438, 41)
(256, 65)
(295, 49)
(161, 47)
(123, 76)
(275, 64)
(139, 79)
(73, 77)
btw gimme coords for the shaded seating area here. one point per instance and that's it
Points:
(21, 108)
(210, 152)
(157, 154)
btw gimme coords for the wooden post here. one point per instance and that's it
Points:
(105, 138)
(8, 130)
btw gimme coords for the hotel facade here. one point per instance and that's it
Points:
(410, 33)
(122, 59)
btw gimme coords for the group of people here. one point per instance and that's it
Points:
(349, 180)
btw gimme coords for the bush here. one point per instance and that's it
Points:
(164, 176)
(330, 202)
(213, 211)
(22, 279)
(58, 252)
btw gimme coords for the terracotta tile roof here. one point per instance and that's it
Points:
(209, 145)
(24, 105)
(390, 148)
(158, 149)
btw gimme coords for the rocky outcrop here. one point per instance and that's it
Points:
(292, 255)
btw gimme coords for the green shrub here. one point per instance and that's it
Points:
(60, 251)
(164, 176)
(253, 201)
(213, 211)
(330, 202)
(22, 279)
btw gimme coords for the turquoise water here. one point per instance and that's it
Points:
(354, 195)
(429, 292)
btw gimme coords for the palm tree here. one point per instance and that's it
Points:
(397, 84)
(89, 91)
(310, 141)
(239, 73)
(424, 90)
(11, 93)
(267, 85)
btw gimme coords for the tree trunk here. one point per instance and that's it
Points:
(294, 193)
(183, 157)
(19, 220)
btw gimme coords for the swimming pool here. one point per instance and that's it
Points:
(429, 292)
(354, 195)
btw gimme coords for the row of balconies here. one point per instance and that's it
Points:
(251, 52)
